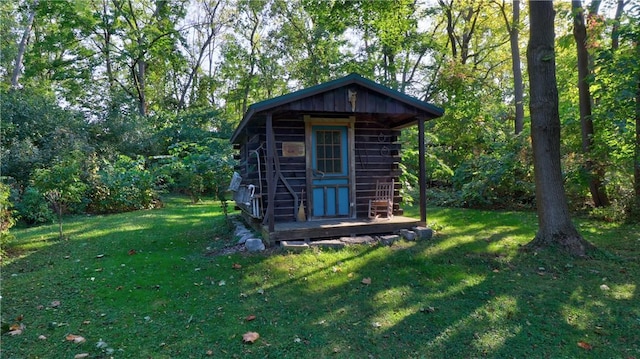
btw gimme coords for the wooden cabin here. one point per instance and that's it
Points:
(310, 161)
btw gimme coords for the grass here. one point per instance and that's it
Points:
(467, 293)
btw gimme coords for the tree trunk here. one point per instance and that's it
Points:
(555, 228)
(594, 171)
(636, 167)
(23, 45)
(615, 31)
(518, 87)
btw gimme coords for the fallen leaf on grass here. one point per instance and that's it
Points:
(366, 281)
(236, 266)
(132, 252)
(585, 345)
(75, 338)
(55, 304)
(16, 329)
(42, 337)
(250, 337)
(81, 356)
(604, 287)
(250, 318)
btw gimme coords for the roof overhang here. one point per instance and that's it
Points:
(400, 120)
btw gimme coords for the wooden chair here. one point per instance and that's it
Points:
(382, 203)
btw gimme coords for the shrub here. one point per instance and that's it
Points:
(502, 178)
(6, 217)
(198, 169)
(121, 186)
(33, 208)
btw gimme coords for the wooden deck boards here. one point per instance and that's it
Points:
(313, 230)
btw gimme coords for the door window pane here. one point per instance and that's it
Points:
(329, 151)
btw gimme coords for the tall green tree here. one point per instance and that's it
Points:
(594, 170)
(554, 221)
(148, 48)
(513, 27)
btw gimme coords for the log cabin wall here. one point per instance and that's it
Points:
(379, 114)
(377, 157)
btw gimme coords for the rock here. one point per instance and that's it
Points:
(389, 239)
(296, 246)
(245, 237)
(407, 234)
(332, 243)
(423, 233)
(241, 231)
(357, 240)
(254, 245)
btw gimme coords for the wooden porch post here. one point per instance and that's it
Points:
(422, 179)
(271, 184)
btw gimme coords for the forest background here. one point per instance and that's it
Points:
(105, 104)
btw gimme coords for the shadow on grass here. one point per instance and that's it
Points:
(479, 297)
(467, 293)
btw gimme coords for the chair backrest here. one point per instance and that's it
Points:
(384, 191)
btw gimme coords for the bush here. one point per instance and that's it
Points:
(198, 169)
(6, 217)
(502, 178)
(33, 208)
(121, 186)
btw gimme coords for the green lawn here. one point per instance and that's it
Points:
(142, 286)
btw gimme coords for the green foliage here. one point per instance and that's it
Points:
(501, 178)
(199, 169)
(36, 132)
(7, 219)
(33, 208)
(122, 185)
(66, 178)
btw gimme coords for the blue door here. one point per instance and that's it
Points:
(330, 171)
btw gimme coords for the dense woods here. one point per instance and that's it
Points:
(106, 103)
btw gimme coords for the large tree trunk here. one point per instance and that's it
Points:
(555, 228)
(594, 171)
(17, 69)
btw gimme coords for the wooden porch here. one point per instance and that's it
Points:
(333, 228)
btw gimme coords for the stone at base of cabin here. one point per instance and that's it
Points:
(423, 233)
(357, 240)
(295, 246)
(408, 235)
(332, 243)
(245, 237)
(254, 245)
(241, 231)
(389, 239)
